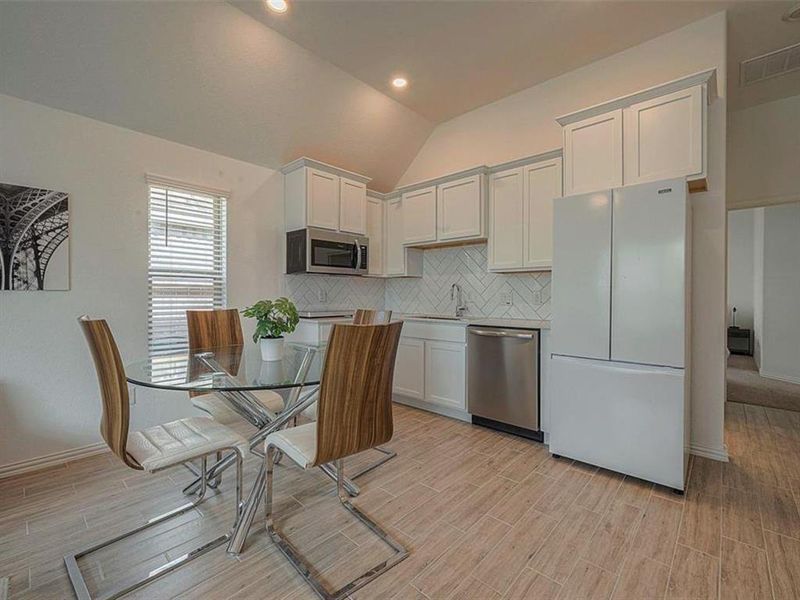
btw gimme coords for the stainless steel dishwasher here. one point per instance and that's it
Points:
(503, 379)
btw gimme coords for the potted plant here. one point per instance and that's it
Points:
(273, 319)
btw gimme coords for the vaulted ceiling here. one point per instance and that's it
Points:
(234, 79)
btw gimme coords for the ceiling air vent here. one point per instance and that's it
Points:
(769, 65)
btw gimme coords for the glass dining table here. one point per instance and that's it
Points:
(233, 373)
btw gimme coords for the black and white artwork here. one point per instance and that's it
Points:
(34, 238)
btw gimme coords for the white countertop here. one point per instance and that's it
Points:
(463, 321)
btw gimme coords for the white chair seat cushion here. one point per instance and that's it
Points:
(298, 443)
(176, 442)
(221, 410)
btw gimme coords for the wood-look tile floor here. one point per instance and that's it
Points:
(485, 515)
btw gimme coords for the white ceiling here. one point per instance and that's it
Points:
(213, 76)
(461, 55)
(206, 75)
(755, 28)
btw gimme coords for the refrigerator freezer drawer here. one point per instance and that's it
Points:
(623, 417)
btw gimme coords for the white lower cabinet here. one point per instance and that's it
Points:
(430, 368)
(409, 369)
(445, 374)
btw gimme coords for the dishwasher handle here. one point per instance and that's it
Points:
(501, 333)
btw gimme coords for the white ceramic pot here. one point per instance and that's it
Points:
(271, 348)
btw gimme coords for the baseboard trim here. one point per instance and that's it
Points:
(720, 454)
(779, 377)
(453, 413)
(49, 460)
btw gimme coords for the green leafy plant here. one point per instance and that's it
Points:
(274, 317)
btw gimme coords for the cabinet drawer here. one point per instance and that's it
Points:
(443, 332)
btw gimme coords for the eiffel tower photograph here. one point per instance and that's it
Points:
(34, 238)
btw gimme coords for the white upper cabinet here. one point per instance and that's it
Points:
(542, 187)
(593, 153)
(321, 195)
(521, 215)
(460, 209)
(322, 199)
(658, 133)
(419, 216)
(375, 233)
(664, 137)
(399, 261)
(352, 206)
(506, 220)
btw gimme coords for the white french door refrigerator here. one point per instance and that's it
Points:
(620, 330)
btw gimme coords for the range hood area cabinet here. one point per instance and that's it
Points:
(655, 134)
(387, 255)
(321, 195)
(450, 210)
(521, 197)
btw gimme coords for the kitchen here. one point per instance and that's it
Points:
(558, 389)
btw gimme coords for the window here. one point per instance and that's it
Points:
(186, 260)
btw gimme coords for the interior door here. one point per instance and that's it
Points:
(648, 296)
(581, 284)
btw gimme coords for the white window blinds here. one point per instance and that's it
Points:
(187, 261)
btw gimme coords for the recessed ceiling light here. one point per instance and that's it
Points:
(278, 6)
(792, 14)
(399, 82)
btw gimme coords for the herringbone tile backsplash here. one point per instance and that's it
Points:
(517, 295)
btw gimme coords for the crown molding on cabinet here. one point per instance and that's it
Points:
(527, 160)
(304, 161)
(709, 78)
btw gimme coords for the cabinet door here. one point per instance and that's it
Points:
(375, 221)
(542, 185)
(593, 154)
(419, 216)
(395, 252)
(460, 209)
(409, 369)
(322, 198)
(352, 206)
(664, 137)
(506, 220)
(445, 374)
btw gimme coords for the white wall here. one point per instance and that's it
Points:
(758, 283)
(49, 400)
(780, 338)
(524, 124)
(741, 291)
(764, 154)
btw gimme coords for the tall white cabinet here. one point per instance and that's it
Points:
(521, 214)
(655, 134)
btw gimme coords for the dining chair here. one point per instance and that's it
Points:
(152, 450)
(216, 328)
(355, 414)
(364, 316)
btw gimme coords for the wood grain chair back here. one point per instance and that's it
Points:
(366, 316)
(113, 386)
(354, 411)
(213, 328)
(210, 328)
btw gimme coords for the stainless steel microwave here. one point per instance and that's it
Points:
(313, 250)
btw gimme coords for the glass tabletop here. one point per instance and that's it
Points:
(228, 368)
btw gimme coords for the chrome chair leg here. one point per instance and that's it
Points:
(131, 583)
(302, 566)
(388, 455)
(212, 483)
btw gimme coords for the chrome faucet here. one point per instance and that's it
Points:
(457, 295)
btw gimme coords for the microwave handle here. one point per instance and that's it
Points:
(358, 254)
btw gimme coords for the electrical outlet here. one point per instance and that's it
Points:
(537, 297)
(322, 296)
(508, 298)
